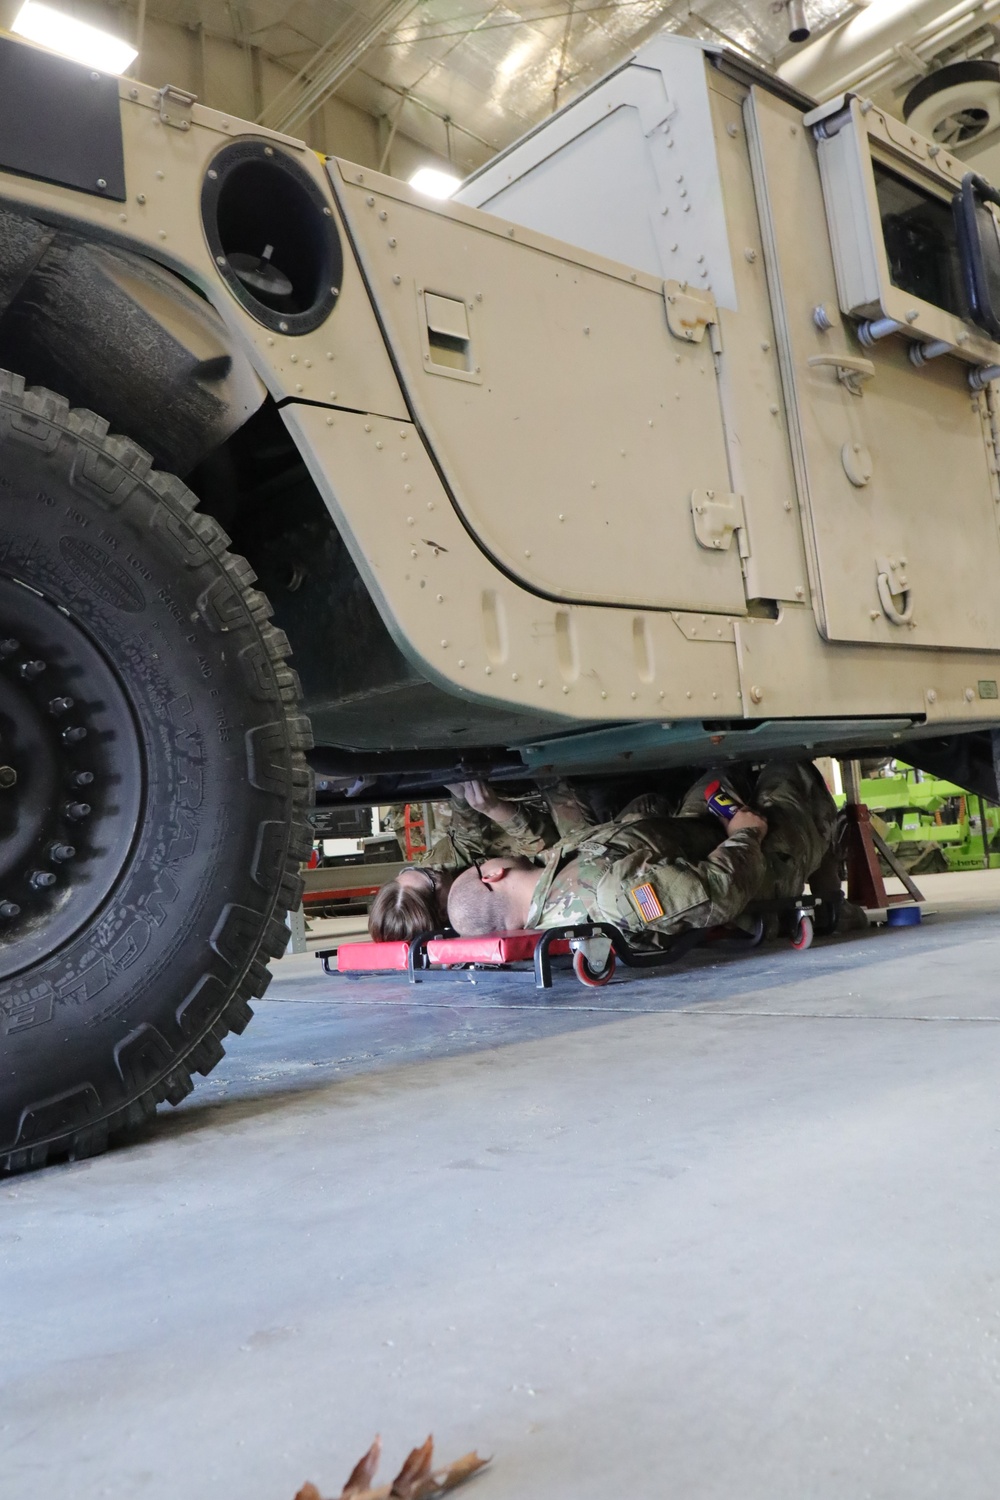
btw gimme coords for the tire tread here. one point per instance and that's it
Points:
(205, 1050)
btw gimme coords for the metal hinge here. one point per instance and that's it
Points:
(689, 311)
(717, 515)
(176, 105)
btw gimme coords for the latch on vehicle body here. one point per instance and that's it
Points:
(176, 105)
(689, 311)
(716, 517)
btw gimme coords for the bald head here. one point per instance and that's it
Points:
(496, 899)
(475, 909)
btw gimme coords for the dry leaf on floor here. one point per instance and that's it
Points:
(363, 1472)
(410, 1480)
(416, 1480)
(457, 1473)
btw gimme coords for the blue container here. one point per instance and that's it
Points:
(903, 916)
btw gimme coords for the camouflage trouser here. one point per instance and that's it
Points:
(801, 842)
(645, 875)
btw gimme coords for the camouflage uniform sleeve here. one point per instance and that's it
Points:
(464, 842)
(473, 836)
(570, 809)
(529, 831)
(640, 894)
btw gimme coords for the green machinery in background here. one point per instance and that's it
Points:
(931, 824)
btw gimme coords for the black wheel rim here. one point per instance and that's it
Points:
(71, 780)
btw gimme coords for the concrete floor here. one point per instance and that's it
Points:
(731, 1231)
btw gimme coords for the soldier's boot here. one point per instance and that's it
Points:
(851, 918)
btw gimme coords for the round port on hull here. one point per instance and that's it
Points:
(272, 236)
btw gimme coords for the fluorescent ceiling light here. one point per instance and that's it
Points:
(434, 183)
(84, 44)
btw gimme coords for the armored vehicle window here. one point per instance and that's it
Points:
(920, 243)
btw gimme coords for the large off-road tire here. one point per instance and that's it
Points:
(150, 844)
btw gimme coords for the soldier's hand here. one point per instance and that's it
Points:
(483, 799)
(481, 796)
(747, 819)
(476, 793)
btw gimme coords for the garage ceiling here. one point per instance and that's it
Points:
(466, 77)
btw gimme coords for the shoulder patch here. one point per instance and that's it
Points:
(648, 902)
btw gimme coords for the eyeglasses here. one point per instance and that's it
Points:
(478, 864)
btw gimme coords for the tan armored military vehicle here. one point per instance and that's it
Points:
(681, 447)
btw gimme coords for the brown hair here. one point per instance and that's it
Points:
(399, 913)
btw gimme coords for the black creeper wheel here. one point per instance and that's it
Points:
(152, 784)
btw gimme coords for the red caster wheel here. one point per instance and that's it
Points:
(803, 933)
(595, 979)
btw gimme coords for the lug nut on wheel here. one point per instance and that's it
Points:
(40, 880)
(76, 810)
(9, 909)
(8, 778)
(60, 852)
(29, 670)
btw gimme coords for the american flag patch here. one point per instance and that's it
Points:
(648, 903)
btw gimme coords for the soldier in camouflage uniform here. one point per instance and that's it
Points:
(650, 876)
(657, 875)
(482, 826)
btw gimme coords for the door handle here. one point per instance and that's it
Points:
(852, 369)
(902, 616)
